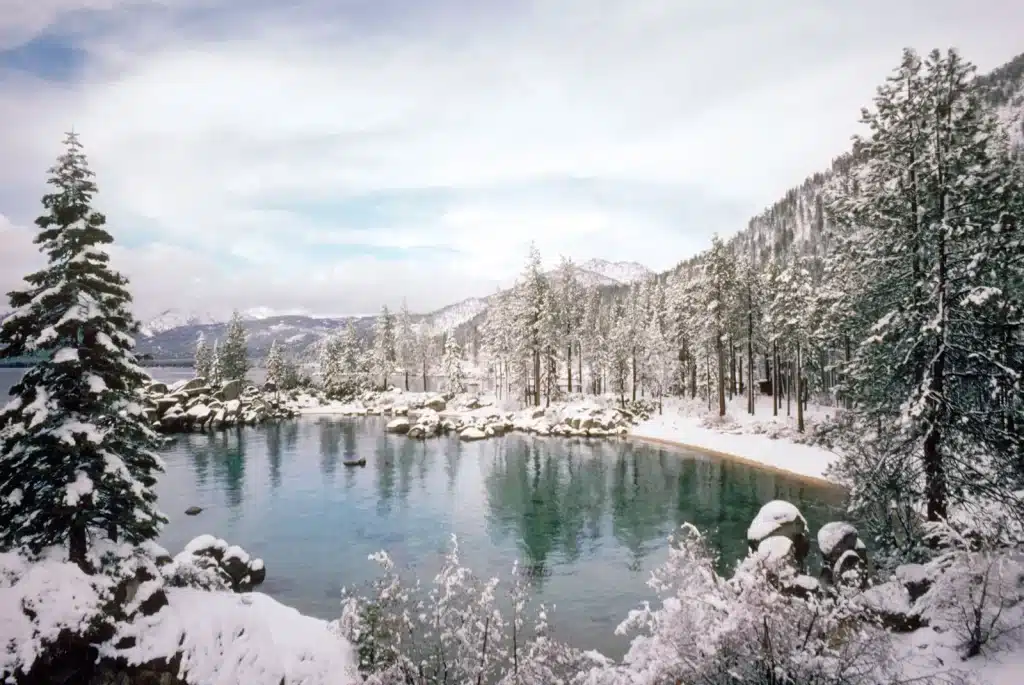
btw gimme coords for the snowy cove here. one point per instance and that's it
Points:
(587, 519)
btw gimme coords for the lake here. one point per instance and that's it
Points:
(587, 518)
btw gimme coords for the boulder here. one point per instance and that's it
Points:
(231, 390)
(193, 511)
(436, 403)
(270, 386)
(472, 433)
(190, 385)
(157, 388)
(915, 578)
(780, 518)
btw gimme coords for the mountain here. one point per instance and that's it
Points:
(176, 318)
(619, 272)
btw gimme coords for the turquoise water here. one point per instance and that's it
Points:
(587, 519)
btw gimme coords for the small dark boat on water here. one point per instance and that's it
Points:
(355, 462)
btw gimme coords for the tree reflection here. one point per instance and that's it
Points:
(385, 463)
(229, 466)
(274, 454)
(330, 434)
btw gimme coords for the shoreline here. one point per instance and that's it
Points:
(676, 444)
(747, 461)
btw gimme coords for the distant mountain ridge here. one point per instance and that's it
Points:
(172, 335)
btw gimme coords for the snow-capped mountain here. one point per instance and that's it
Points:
(455, 315)
(176, 318)
(619, 272)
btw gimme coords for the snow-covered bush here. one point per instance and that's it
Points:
(455, 634)
(745, 629)
(976, 580)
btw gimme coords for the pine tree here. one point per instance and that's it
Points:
(405, 342)
(76, 450)
(234, 355)
(275, 365)
(384, 354)
(570, 301)
(454, 378)
(931, 272)
(204, 358)
(216, 368)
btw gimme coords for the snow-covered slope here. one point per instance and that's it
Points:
(176, 318)
(454, 315)
(621, 272)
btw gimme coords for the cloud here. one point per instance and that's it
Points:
(337, 156)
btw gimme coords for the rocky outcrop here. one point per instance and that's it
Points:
(780, 519)
(213, 564)
(195, 405)
(843, 554)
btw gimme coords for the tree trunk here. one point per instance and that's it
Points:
(721, 376)
(407, 380)
(78, 546)
(424, 377)
(799, 391)
(633, 381)
(750, 362)
(568, 368)
(789, 388)
(536, 378)
(776, 379)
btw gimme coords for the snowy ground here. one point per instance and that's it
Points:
(763, 439)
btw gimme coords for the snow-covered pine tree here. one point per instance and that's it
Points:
(454, 378)
(405, 342)
(528, 307)
(351, 371)
(931, 267)
(619, 350)
(275, 365)
(234, 354)
(791, 310)
(216, 369)
(384, 354)
(76, 450)
(569, 296)
(718, 288)
(203, 358)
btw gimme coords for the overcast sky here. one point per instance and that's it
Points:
(331, 156)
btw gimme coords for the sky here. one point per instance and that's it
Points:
(333, 156)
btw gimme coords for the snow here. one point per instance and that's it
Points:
(57, 593)
(771, 517)
(96, 384)
(774, 549)
(65, 355)
(831, 534)
(236, 552)
(74, 492)
(227, 638)
(761, 439)
(622, 272)
(205, 541)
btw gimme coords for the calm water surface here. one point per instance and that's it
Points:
(586, 518)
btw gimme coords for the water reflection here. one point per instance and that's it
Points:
(588, 519)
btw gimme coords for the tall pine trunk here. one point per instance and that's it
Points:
(750, 360)
(568, 367)
(721, 376)
(776, 379)
(536, 378)
(799, 391)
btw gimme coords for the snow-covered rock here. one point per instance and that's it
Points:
(779, 518)
(472, 433)
(191, 405)
(399, 425)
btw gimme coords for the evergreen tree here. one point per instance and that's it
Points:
(454, 378)
(405, 342)
(204, 357)
(216, 368)
(234, 355)
(275, 365)
(76, 450)
(384, 353)
(570, 301)
(329, 363)
(932, 268)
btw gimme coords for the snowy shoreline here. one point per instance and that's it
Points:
(761, 442)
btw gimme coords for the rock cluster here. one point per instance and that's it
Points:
(211, 563)
(196, 405)
(483, 422)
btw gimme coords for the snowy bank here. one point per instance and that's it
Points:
(147, 619)
(762, 439)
